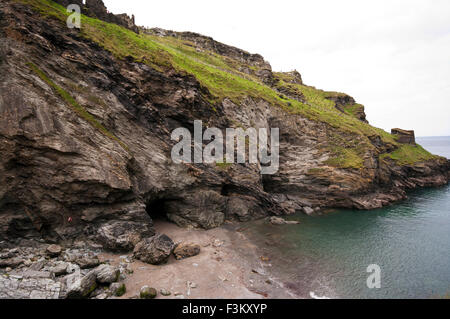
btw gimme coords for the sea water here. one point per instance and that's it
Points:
(329, 255)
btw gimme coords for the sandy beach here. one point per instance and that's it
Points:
(228, 266)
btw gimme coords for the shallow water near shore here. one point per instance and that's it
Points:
(328, 255)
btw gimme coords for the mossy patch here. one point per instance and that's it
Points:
(408, 154)
(345, 158)
(121, 290)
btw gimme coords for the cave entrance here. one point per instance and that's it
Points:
(156, 210)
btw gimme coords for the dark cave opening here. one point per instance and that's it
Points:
(267, 184)
(157, 210)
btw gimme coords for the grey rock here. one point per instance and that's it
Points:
(277, 220)
(38, 265)
(59, 268)
(72, 268)
(107, 274)
(98, 291)
(32, 274)
(79, 286)
(101, 296)
(11, 262)
(217, 243)
(281, 221)
(118, 289)
(88, 262)
(12, 287)
(308, 210)
(125, 268)
(9, 254)
(164, 292)
(155, 250)
(54, 250)
(123, 235)
(147, 292)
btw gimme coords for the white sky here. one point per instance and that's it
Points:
(392, 56)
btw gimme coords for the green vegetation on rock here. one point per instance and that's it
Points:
(409, 154)
(222, 77)
(121, 290)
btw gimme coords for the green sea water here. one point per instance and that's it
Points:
(328, 255)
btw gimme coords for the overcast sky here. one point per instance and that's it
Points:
(392, 56)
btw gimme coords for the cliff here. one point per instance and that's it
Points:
(85, 126)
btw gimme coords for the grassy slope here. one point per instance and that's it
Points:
(220, 75)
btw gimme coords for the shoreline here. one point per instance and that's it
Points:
(229, 266)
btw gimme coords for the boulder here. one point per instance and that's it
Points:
(19, 287)
(280, 221)
(38, 265)
(148, 293)
(9, 253)
(118, 289)
(123, 235)
(277, 220)
(186, 250)
(308, 210)
(165, 292)
(59, 268)
(53, 250)
(72, 268)
(87, 262)
(79, 286)
(107, 274)
(32, 274)
(155, 250)
(10, 262)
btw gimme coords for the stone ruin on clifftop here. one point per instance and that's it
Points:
(404, 136)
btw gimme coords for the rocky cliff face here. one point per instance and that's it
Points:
(85, 134)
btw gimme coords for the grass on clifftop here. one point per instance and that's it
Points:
(223, 80)
(409, 154)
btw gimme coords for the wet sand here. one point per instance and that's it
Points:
(228, 266)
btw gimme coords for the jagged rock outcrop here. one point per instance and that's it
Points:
(346, 103)
(294, 77)
(85, 140)
(97, 9)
